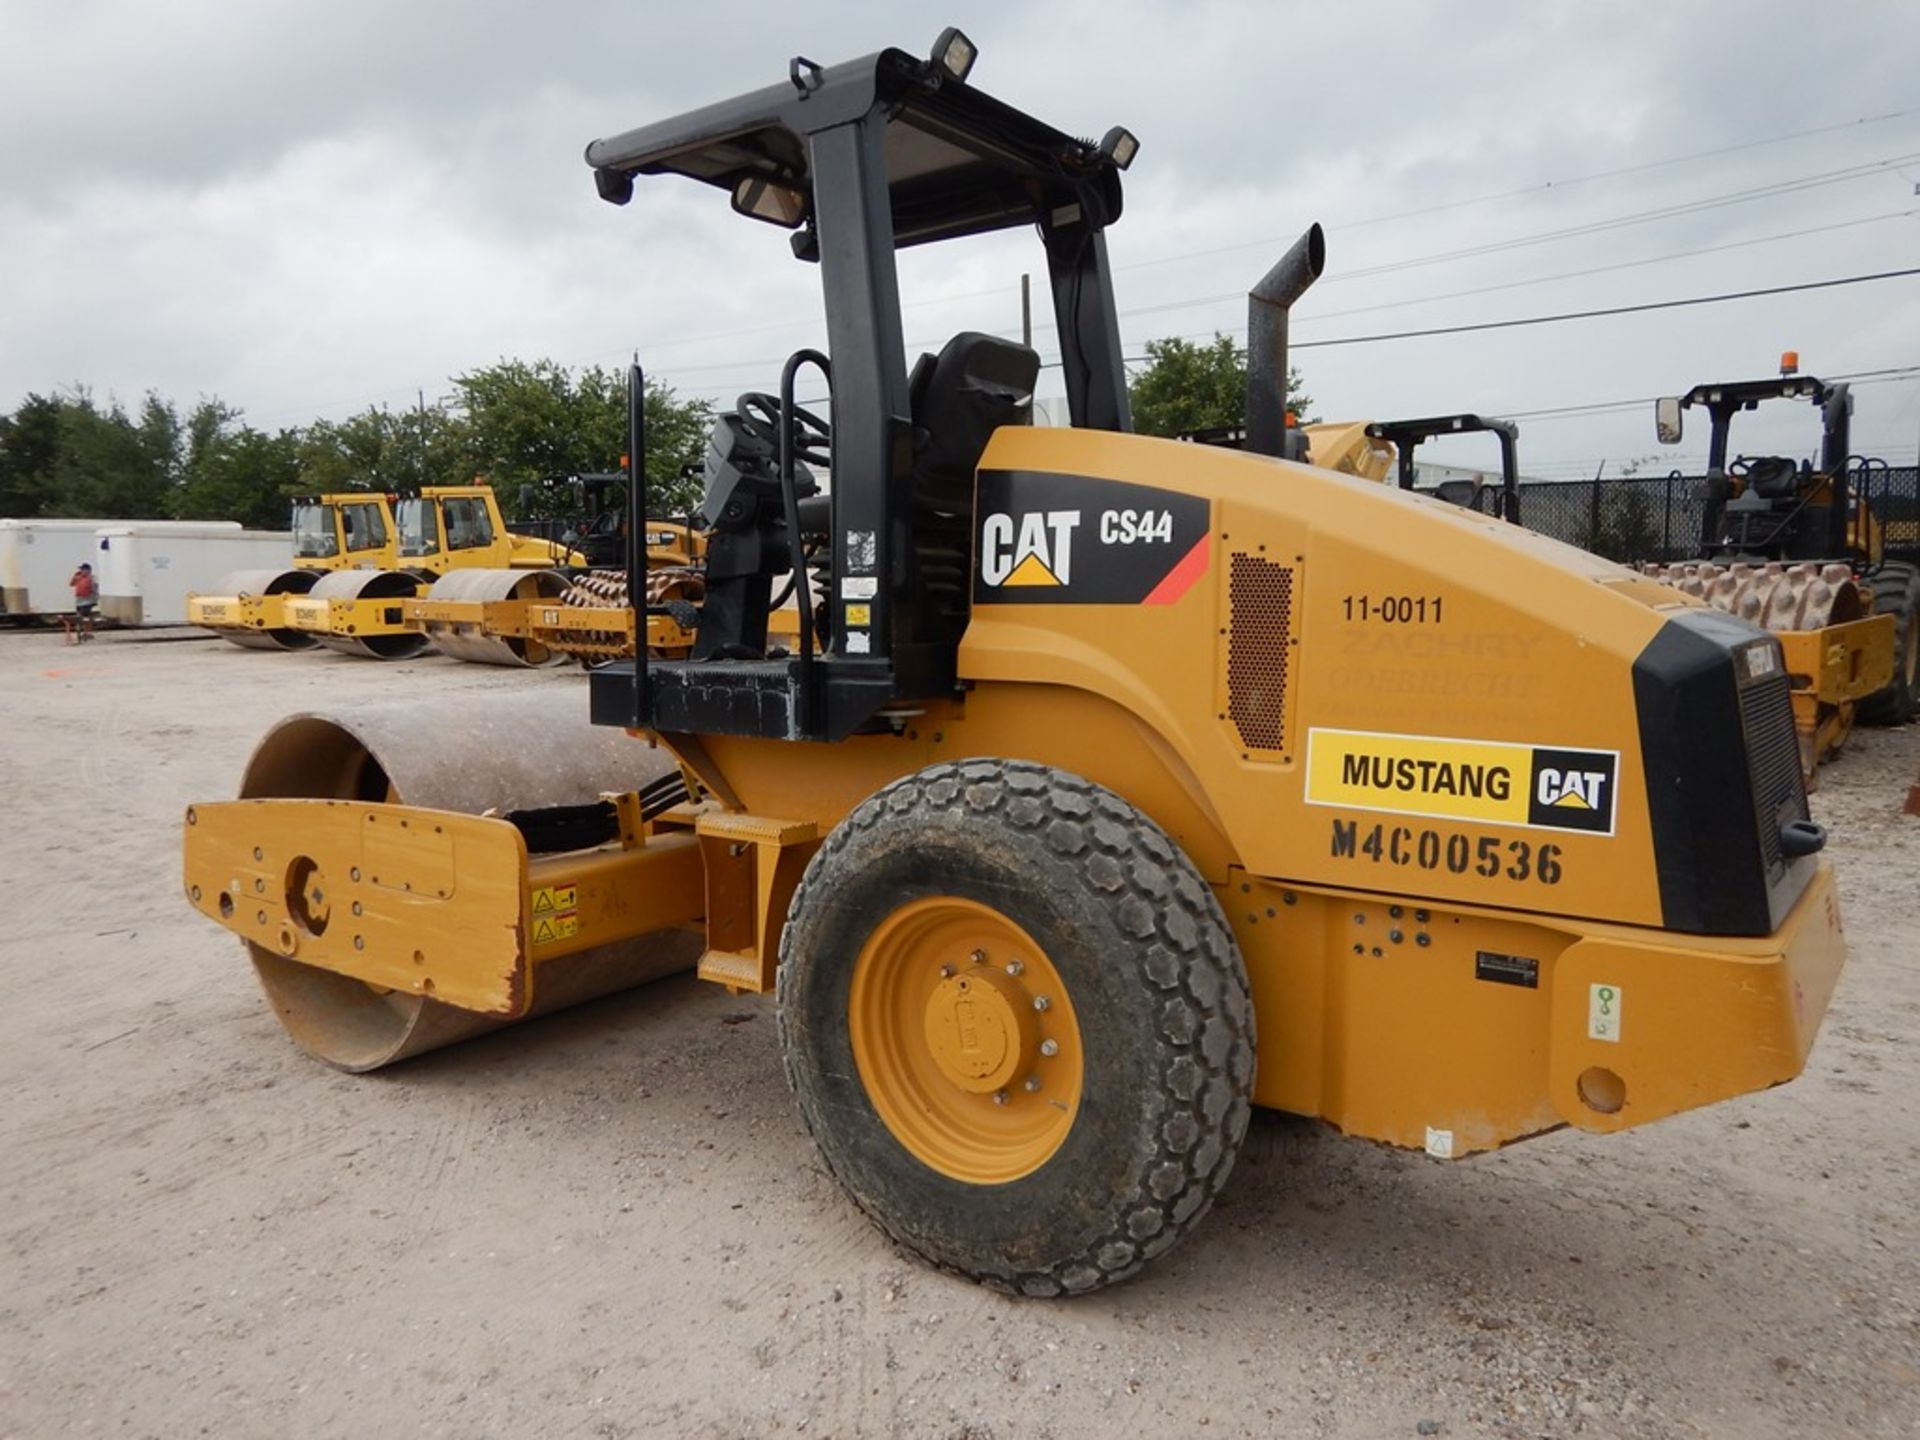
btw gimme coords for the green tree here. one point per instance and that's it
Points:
(381, 449)
(234, 472)
(1196, 387)
(527, 423)
(109, 465)
(29, 448)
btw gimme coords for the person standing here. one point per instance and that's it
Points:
(86, 601)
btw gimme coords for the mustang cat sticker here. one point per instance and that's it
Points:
(1044, 538)
(1536, 786)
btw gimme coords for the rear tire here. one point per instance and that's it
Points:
(1896, 591)
(969, 866)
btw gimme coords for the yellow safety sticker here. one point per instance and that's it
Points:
(859, 615)
(549, 928)
(1536, 786)
(549, 899)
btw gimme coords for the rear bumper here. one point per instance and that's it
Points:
(1660, 1027)
(1456, 1031)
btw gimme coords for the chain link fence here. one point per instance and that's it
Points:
(1658, 518)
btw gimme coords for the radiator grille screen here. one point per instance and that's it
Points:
(1259, 650)
(1773, 763)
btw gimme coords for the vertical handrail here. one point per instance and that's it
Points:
(637, 536)
(790, 503)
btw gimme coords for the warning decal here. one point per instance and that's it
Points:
(550, 928)
(555, 911)
(1534, 786)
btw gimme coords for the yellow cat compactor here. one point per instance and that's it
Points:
(1116, 785)
(1802, 550)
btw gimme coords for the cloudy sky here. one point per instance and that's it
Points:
(308, 207)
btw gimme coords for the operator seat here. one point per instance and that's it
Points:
(959, 398)
(1464, 493)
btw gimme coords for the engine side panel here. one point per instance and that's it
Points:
(1374, 690)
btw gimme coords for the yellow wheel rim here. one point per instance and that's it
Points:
(965, 1039)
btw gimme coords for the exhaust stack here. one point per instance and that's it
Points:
(1268, 304)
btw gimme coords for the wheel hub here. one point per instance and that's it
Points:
(980, 1032)
(965, 1038)
(307, 896)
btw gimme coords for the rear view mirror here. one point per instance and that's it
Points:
(780, 205)
(1666, 419)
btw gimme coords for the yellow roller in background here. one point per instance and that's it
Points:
(482, 615)
(358, 612)
(249, 608)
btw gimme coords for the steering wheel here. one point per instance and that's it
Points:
(760, 418)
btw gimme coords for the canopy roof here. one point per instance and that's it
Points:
(958, 162)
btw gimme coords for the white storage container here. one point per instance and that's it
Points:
(38, 558)
(146, 574)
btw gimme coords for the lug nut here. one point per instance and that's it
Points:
(1049, 1048)
(1394, 936)
(999, 1097)
(946, 972)
(1014, 967)
(1033, 1083)
(1041, 1002)
(1423, 938)
(979, 957)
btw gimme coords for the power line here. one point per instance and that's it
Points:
(1609, 310)
(1607, 269)
(1568, 232)
(731, 365)
(1536, 188)
(1527, 320)
(1891, 374)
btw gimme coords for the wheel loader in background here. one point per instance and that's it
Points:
(1114, 786)
(1800, 550)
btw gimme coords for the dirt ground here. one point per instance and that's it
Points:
(610, 1223)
